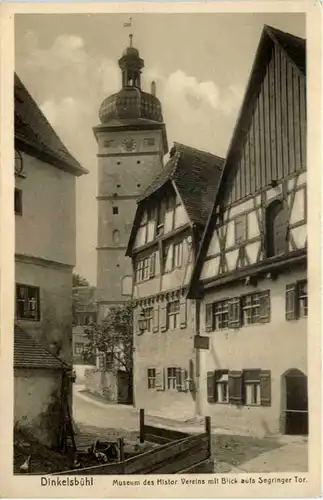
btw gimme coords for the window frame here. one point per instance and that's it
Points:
(27, 288)
(148, 313)
(173, 316)
(177, 257)
(143, 269)
(115, 210)
(223, 306)
(220, 384)
(252, 381)
(78, 348)
(151, 378)
(171, 378)
(294, 299)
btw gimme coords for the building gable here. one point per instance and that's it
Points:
(266, 163)
(274, 143)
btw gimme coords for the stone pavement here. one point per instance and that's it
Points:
(291, 457)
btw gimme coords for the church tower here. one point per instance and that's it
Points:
(132, 142)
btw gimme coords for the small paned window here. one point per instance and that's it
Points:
(151, 376)
(296, 300)
(27, 302)
(115, 210)
(171, 378)
(173, 313)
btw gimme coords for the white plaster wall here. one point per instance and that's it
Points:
(34, 391)
(47, 227)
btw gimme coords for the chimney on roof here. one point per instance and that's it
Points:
(153, 88)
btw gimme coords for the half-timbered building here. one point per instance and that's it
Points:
(251, 272)
(169, 222)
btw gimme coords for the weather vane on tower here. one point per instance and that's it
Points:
(129, 25)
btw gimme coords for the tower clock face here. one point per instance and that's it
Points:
(129, 144)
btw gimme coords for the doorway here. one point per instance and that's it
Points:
(296, 402)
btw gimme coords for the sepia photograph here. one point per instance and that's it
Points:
(161, 247)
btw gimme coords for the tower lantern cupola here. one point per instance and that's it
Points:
(131, 65)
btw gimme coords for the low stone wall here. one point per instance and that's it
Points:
(102, 383)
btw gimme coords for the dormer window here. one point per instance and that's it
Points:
(276, 228)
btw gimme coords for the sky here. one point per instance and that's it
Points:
(200, 62)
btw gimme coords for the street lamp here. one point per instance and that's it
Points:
(142, 321)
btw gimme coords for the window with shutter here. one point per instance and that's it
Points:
(265, 388)
(302, 297)
(234, 313)
(251, 385)
(172, 377)
(291, 301)
(152, 265)
(210, 386)
(156, 318)
(209, 317)
(264, 307)
(182, 313)
(163, 317)
(235, 387)
(221, 386)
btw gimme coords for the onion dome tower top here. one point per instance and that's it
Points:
(131, 102)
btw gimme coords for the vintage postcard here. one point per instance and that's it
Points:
(161, 249)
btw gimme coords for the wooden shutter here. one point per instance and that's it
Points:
(235, 387)
(265, 388)
(184, 381)
(291, 301)
(209, 324)
(160, 380)
(182, 313)
(152, 265)
(264, 307)
(210, 387)
(179, 379)
(163, 316)
(234, 313)
(156, 318)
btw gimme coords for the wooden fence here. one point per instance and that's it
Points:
(180, 453)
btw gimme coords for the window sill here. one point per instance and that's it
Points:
(29, 319)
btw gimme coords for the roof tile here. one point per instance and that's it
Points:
(28, 353)
(33, 129)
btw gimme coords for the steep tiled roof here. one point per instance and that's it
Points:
(35, 134)
(196, 175)
(29, 353)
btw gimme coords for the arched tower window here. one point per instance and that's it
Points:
(276, 228)
(116, 236)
